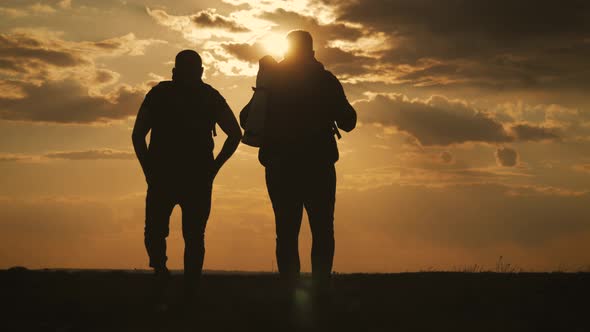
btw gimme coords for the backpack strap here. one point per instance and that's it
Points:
(336, 131)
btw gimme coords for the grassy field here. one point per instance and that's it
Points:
(429, 301)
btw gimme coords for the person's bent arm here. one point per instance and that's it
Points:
(244, 115)
(346, 118)
(228, 123)
(140, 130)
(344, 113)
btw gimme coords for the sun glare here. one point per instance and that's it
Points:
(275, 44)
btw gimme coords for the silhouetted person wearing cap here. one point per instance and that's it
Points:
(306, 106)
(179, 165)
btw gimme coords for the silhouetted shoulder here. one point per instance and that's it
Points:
(212, 92)
(155, 94)
(157, 91)
(215, 98)
(215, 101)
(163, 85)
(332, 81)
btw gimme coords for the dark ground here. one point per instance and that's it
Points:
(430, 301)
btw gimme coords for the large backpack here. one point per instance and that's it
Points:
(183, 120)
(282, 109)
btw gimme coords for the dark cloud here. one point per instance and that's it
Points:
(22, 52)
(69, 102)
(528, 132)
(436, 121)
(210, 19)
(493, 43)
(441, 121)
(41, 56)
(344, 63)
(92, 155)
(288, 20)
(11, 89)
(104, 76)
(47, 79)
(506, 157)
(244, 51)
(446, 157)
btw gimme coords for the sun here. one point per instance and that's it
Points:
(275, 44)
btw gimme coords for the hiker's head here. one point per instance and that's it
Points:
(187, 66)
(300, 45)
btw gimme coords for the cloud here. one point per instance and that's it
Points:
(446, 157)
(434, 121)
(237, 41)
(50, 79)
(35, 9)
(200, 27)
(345, 64)
(92, 155)
(495, 44)
(105, 77)
(244, 51)
(286, 20)
(528, 132)
(442, 121)
(11, 89)
(506, 157)
(127, 44)
(42, 55)
(26, 52)
(177, 23)
(40, 8)
(69, 102)
(210, 19)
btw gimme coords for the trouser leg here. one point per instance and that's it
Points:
(319, 200)
(196, 207)
(158, 208)
(288, 210)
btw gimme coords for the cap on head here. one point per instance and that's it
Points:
(300, 43)
(188, 60)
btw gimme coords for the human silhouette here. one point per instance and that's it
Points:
(306, 106)
(179, 165)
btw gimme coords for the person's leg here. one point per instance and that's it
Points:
(158, 208)
(196, 206)
(319, 200)
(283, 190)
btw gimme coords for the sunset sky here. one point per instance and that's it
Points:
(473, 139)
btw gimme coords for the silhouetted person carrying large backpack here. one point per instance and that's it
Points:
(179, 166)
(306, 106)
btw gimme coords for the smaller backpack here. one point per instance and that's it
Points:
(258, 106)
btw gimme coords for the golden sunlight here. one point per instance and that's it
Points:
(275, 44)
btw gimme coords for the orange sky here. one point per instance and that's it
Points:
(473, 141)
